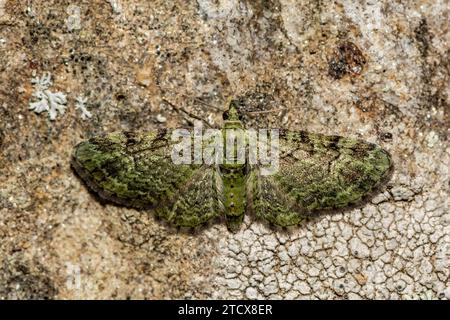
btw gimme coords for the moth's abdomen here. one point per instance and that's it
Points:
(233, 176)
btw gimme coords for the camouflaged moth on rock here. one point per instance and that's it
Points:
(316, 172)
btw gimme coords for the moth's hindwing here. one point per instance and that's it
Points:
(136, 170)
(316, 172)
(199, 200)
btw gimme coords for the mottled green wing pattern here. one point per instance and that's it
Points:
(136, 170)
(199, 200)
(317, 172)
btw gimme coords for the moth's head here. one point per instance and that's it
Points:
(234, 112)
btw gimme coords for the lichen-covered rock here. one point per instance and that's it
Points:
(369, 70)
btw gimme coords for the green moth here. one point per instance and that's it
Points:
(314, 172)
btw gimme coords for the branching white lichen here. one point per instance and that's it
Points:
(47, 100)
(81, 105)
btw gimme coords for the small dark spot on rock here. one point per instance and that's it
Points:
(120, 96)
(386, 136)
(347, 59)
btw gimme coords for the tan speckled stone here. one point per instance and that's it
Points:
(60, 241)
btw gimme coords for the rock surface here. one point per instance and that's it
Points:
(377, 70)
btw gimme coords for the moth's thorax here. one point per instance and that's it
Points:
(233, 124)
(235, 144)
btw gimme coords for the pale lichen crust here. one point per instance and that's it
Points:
(316, 172)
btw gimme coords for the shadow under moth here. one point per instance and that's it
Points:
(315, 172)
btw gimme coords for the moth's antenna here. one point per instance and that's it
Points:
(208, 105)
(203, 102)
(189, 114)
(266, 111)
